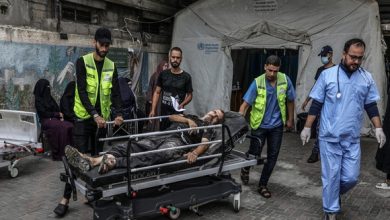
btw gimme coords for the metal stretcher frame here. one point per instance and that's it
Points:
(128, 126)
(132, 137)
(236, 160)
(19, 135)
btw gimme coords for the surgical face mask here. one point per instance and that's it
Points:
(325, 60)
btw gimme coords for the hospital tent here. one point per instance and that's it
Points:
(208, 30)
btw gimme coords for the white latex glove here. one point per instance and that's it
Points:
(380, 137)
(305, 135)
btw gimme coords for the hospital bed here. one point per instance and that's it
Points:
(18, 138)
(167, 188)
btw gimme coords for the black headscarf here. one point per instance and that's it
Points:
(127, 95)
(67, 101)
(44, 103)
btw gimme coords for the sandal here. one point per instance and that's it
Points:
(382, 186)
(264, 192)
(245, 175)
(107, 164)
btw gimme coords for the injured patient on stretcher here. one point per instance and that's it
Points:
(116, 156)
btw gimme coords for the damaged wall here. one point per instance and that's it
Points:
(14, 12)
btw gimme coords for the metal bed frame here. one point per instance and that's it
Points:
(18, 138)
(127, 190)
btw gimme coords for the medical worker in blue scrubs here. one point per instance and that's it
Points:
(343, 92)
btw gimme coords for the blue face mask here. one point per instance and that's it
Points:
(324, 60)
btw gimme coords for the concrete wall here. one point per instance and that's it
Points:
(17, 13)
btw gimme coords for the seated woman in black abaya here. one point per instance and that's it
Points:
(57, 130)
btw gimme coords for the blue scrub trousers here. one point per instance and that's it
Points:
(340, 167)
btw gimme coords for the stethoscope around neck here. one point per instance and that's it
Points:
(338, 94)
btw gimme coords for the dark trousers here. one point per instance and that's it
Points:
(59, 134)
(148, 144)
(67, 191)
(274, 141)
(85, 132)
(316, 146)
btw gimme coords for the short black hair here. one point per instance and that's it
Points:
(177, 49)
(273, 60)
(355, 41)
(103, 35)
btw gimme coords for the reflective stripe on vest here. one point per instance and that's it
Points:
(92, 86)
(258, 108)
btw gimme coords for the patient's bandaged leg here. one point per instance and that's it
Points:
(147, 144)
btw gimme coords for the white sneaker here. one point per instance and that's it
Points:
(382, 186)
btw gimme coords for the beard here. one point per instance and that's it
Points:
(101, 54)
(175, 64)
(206, 119)
(352, 67)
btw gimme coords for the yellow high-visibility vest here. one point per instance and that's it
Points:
(258, 108)
(92, 86)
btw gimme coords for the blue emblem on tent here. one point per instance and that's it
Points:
(200, 46)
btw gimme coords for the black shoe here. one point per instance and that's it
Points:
(313, 158)
(330, 216)
(61, 210)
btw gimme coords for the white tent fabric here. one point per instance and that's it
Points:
(208, 30)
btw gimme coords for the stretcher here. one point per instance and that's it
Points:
(166, 188)
(18, 138)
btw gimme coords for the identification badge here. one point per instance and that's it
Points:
(107, 78)
(282, 91)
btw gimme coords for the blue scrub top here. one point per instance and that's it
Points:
(341, 118)
(272, 117)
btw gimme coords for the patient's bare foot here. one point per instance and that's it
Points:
(107, 164)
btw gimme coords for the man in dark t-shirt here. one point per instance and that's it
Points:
(173, 84)
(116, 156)
(326, 59)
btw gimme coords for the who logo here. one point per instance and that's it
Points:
(200, 46)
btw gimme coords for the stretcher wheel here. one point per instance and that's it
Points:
(236, 202)
(13, 172)
(174, 214)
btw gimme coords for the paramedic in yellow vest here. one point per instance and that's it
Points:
(97, 89)
(271, 96)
